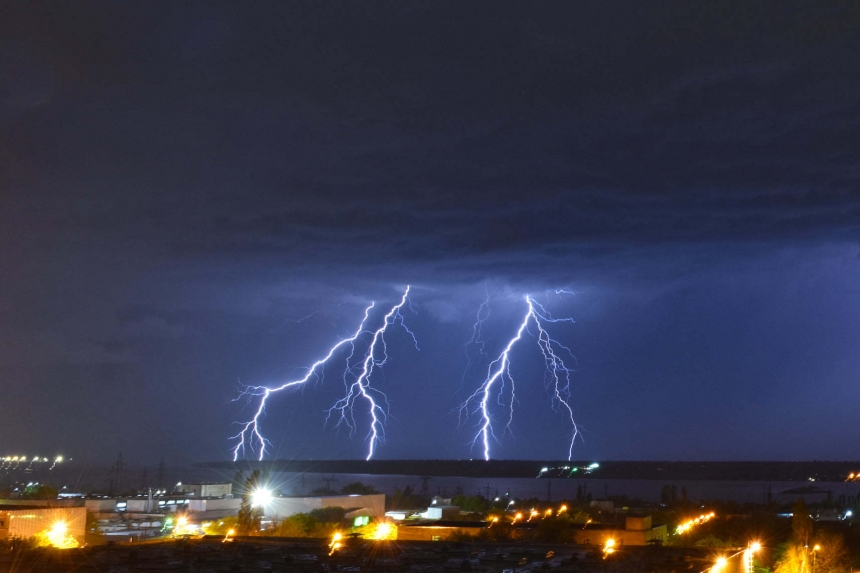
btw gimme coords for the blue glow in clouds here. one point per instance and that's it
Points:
(356, 379)
(499, 375)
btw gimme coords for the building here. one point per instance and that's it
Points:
(26, 520)
(637, 531)
(205, 489)
(355, 505)
(438, 530)
(203, 509)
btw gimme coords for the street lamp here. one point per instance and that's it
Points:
(815, 551)
(748, 555)
(261, 497)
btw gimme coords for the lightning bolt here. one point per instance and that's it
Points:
(375, 356)
(360, 388)
(556, 378)
(477, 341)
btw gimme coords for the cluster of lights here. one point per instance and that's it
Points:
(853, 477)
(535, 514)
(691, 523)
(720, 565)
(568, 471)
(15, 461)
(184, 527)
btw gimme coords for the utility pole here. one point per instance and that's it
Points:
(118, 468)
(159, 483)
(328, 480)
(425, 489)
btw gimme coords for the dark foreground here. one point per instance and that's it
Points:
(311, 556)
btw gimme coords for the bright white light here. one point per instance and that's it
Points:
(261, 497)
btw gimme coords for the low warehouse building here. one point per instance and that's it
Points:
(205, 489)
(438, 530)
(25, 521)
(355, 505)
(637, 531)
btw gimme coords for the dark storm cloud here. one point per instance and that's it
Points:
(179, 182)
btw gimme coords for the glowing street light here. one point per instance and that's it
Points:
(608, 547)
(385, 531)
(748, 556)
(261, 497)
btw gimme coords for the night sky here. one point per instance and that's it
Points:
(199, 196)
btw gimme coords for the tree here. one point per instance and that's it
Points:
(810, 552)
(297, 525)
(358, 488)
(331, 514)
(801, 524)
(39, 491)
(223, 526)
(93, 534)
(250, 517)
(829, 554)
(555, 529)
(471, 502)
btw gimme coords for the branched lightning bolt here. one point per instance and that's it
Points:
(477, 340)
(375, 355)
(557, 378)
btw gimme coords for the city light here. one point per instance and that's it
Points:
(261, 497)
(691, 523)
(748, 556)
(608, 547)
(58, 536)
(384, 531)
(335, 542)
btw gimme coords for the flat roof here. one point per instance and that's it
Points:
(11, 507)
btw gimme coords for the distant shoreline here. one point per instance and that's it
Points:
(803, 471)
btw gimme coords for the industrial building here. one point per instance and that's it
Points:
(355, 505)
(438, 530)
(26, 520)
(205, 489)
(637, 531)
